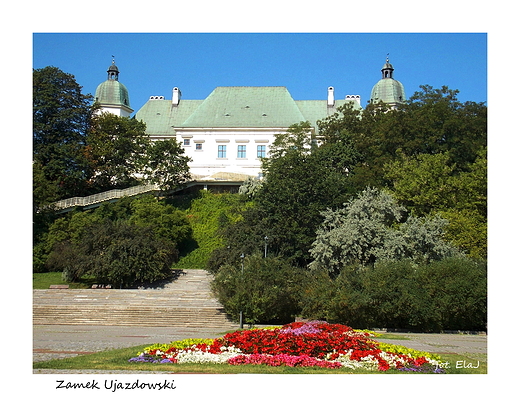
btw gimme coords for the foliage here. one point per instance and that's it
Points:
(117, 253)
(265, 289)
(166, 164)
(59, 248)
(457, 289)
(121, 154)
(116, 151)
(371, 228)
(250, 187)
(207, 214)
(301, 179)
(61, 116)
(449, 294)
(432, 121)
(429, 184)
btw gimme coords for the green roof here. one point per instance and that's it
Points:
(234, 107)
(161, 116)
(388, 90)
(112, 92)
(246, 107)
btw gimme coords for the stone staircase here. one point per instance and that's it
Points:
(186, 302)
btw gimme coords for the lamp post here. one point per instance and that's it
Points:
(265, 251)
(242, 292)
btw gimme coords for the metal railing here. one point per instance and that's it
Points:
(103, 196)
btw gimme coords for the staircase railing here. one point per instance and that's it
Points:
(104, 196)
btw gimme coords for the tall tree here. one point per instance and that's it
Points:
(302, 178)
(61, 115)
(116, 151)
(375, 227)
(432, 121)
(431, 184)
(166, 164)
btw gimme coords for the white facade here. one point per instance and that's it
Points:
(229, 151)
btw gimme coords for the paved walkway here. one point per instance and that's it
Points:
(62, 341)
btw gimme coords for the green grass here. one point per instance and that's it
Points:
(117, 359)
(42, 281)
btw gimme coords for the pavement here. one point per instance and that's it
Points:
(63, 341)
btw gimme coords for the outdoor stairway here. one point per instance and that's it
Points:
(186, 302)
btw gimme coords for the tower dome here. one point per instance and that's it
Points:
(112, 95)
(388, 90)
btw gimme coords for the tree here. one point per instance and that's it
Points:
(166, 164)
(168, 222)
(374, 227)
(65, 234)
(116, 151)
(446, 294)
(61, 118)
(428, 184)
(118, 253)
(302, 178)
(432, 121)
(265, 289)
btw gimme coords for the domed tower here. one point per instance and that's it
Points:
(388, 90)
(112, 95)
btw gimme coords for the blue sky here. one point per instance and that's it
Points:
(306, 63)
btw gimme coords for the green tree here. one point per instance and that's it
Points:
(117, 253)
(432, 121)
(428, 184)
(264, 289)
(374, 227)
(449, 294)
(302, 178)
(61, 118)
(166, 164)
(116, 151)
(457, 290)
(165, 221)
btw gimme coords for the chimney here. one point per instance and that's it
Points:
(176, 97)
(330, 97)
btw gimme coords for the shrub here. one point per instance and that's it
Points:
(457, 289)
(449, 294)
(266, 290)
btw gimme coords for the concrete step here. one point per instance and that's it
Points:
(186, 302)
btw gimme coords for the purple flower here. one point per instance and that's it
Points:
(426, 368)
(144, 358)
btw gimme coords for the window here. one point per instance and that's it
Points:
(186, 141)
(260, 151)
(221, 151)
(241, 152)
(198, 146)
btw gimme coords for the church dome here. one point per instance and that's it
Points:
(388, 90)
(112, 92)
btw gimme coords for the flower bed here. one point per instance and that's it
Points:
(314, 343)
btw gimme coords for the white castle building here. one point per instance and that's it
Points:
(227, 133)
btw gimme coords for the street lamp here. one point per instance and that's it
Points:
(265, 251)
(242, 292)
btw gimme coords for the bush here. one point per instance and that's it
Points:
(115, 253)
(266, 290)
(457, 289)
(449, 294)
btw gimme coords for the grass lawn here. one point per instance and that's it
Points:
(117, 359)
(42, 281)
